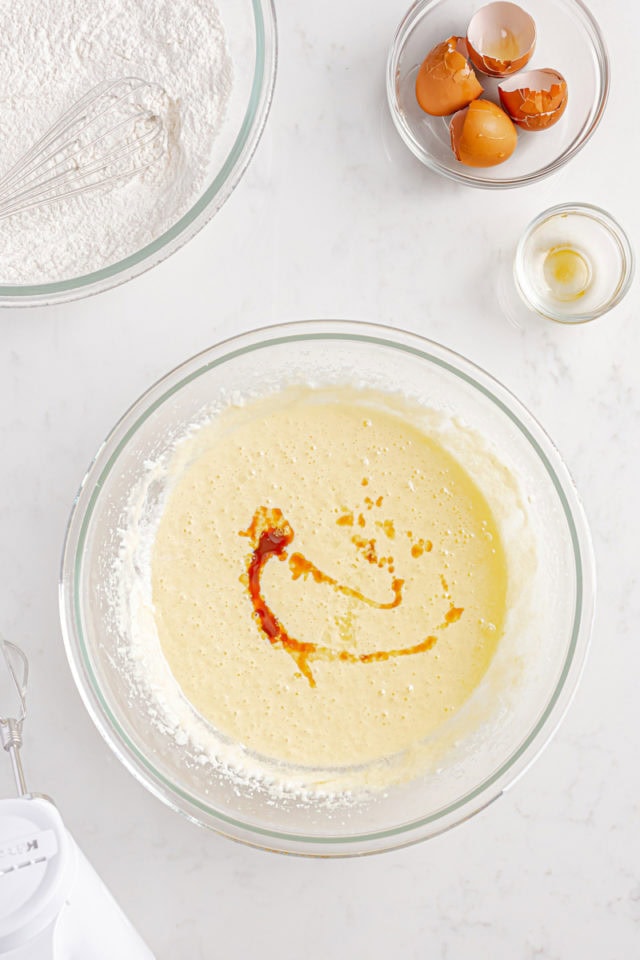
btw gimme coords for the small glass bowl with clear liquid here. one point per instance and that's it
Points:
(573, 263)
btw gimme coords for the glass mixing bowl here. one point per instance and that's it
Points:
(250, 30)
(568, 40)
(484, 746)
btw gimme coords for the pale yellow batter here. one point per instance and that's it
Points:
(392, 579)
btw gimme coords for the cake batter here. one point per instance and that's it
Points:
(329, 583)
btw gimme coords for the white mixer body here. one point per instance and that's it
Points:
(53, 905)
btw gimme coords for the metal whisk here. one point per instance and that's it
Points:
(14, 673)
(113, 132)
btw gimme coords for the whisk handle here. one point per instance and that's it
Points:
(11, 736)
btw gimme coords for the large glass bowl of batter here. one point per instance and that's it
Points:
(251, 42)
(485, 746)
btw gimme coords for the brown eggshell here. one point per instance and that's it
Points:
(446, 81)
(482, 135)
(501, 38)
(535, 100)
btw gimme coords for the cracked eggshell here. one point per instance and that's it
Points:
(482, 135)
(446, 81)
(535, 100)
(501, 38)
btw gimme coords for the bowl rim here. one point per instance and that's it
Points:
(272, 839)
(204, 208)
(599, 49)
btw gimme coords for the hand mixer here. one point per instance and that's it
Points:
(53, 906)
(113, 132)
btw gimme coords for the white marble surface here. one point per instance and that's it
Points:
(336, 219)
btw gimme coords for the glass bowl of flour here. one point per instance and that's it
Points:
(215, 60)
(327, 588)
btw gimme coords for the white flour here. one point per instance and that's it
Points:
(51, 53)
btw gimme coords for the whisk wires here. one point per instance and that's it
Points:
(113, 132)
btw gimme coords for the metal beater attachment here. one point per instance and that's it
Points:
(113, 132)
(14, 673)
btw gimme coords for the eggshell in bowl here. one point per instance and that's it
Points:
(482, 135)
(536, 99)
(501, 38)
(446, 81)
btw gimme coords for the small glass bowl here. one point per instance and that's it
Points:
(569, 40)
(596, 237)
